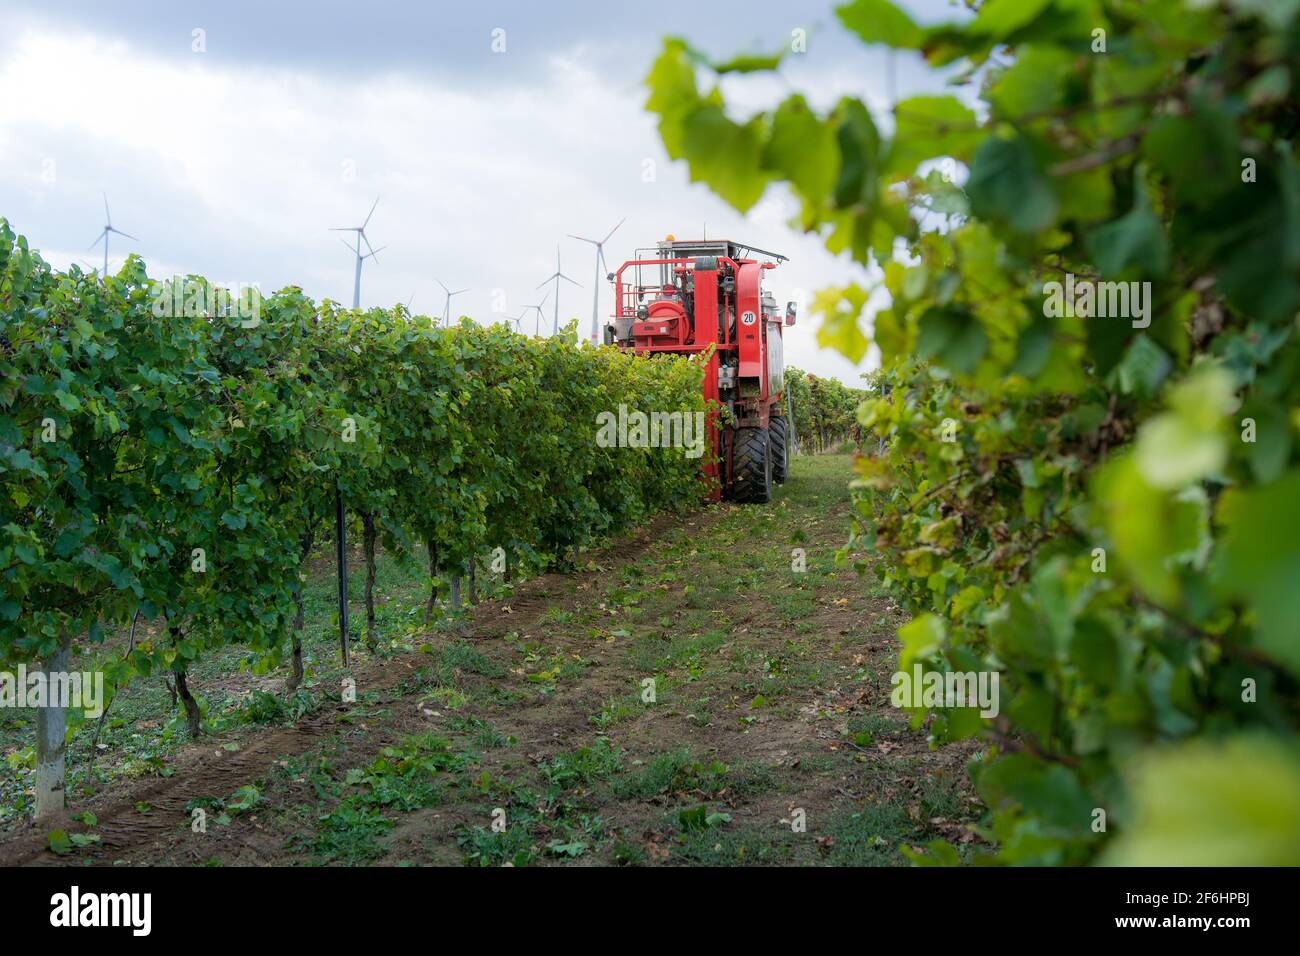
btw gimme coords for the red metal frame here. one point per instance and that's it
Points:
(625, 304)
(749, 342)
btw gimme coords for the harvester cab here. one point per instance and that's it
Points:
(691, 296)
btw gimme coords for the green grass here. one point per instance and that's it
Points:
(659, 653)
(678, 771)
(402, 778)
(867, 729)
(616, 710)
(583, 766)
(873, 834)
(481, 733)
(738, 845)
(482, 846)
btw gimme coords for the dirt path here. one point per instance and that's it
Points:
(694, 694)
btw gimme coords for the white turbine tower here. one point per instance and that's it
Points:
(600, 266)
(446, 309)
(361, 237)
(556, 276)
(103, 236)
(537, 327)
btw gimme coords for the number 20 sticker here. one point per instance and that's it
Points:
(747, 319)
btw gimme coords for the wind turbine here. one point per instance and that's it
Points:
(361, 237)
(537, 328)
(446, 310)
(103, 236)
(557, 275)
(595, 290)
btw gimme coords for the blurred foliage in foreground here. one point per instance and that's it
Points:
(1104, 510)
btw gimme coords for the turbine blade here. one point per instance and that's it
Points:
(545, 281)
(121, 233)
(371, 213)
(614, 230)
(439, 281)
(567, 279)
(366, 240)
(107, 215)
(98, 239)
(584, 239)
(374, 253)
(344, 229)
(458, 292)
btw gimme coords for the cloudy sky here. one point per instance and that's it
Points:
(233, 161)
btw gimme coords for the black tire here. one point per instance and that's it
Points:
(779, 441)
(751, 467)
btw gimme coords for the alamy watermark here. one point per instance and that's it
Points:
(193, 297)
(75, 908)
(41, 689)
(636, 429)
(950, 690)
(1103, 300)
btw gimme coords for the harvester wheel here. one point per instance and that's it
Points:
(751, 467)
(779, 442)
